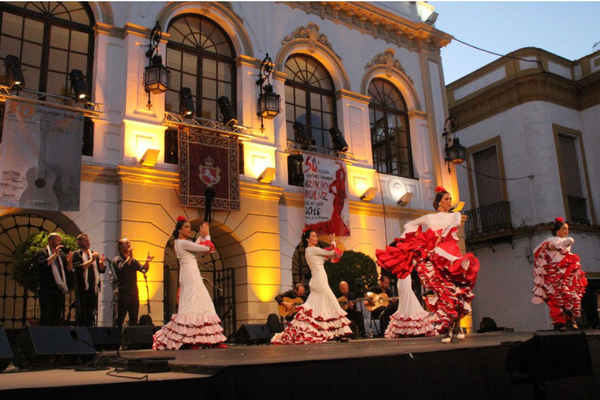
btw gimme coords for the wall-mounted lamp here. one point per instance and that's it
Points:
(186, 102)
(14, 73)
(78, 86)
(339, 143)
(268, 100)
(227, 112)
(405, 199)
(157, 77)
(369, 194)
(267, 175)
(150, 158)
(458, 206)
(455, 153)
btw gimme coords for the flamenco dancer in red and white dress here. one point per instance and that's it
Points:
(558, 278)
(321, 318)
(196, 322)
(429, 243)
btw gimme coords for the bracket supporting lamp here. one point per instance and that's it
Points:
(150, 158)
(405, 199)
(268, 175)
(157, 77)
(269, 102)
(454, 152)
(369, 194)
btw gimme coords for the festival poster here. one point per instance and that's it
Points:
(325, 196)
(40, 161)
(208, 161)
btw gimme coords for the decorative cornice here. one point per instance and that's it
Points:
(417, 114)
(260, 191)
(310, 32)
(389, 62)
(148, 176)
(247, 61)
(97, 173)
(347, 94)
(106, 29)
(372, 20)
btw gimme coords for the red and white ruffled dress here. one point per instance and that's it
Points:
(321, 318)
(442, 268)
(196, 322)
(558, 278)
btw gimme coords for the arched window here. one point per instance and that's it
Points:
(309, 98)
(50, 39)
(201, 57)
(390, 135)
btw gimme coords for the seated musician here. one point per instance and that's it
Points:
(298, 291)
(353, 313)
(383, 313)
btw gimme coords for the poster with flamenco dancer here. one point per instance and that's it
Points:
(326, 196)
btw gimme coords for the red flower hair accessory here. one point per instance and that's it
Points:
(181, 218)
(304, 230)
(440, 189)
(559, 219)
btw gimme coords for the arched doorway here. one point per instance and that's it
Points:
(18, 305)
(213, 267)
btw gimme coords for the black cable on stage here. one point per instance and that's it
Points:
(495, 177)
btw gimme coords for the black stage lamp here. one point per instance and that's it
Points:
(186, 102)
(227, 112)
(78, 85)
(268, 103)
(457, 153)
(339, 143)
(295, 174)
(302, 136)
(14, 72)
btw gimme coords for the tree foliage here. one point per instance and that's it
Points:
(352, 265)
(25, 271)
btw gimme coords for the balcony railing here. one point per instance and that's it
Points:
(488, 219)
(578, 210)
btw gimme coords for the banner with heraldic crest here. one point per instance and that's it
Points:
(208, 161)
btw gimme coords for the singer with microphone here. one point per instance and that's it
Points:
(126, 268)
(88, 266)
(196, 322)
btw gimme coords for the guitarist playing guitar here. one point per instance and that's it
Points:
(383, 312)
(289, 300)
(349, 306)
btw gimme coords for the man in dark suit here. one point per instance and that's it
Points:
(353, 313)
(88, 266)
(383, 313)
(53, 266)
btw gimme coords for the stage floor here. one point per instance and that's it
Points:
(473, 367)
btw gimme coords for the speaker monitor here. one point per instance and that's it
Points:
(42, 346)
(551, 355)
(274, 323)
(139, 337)
(6, 354)
(253, 334)
(105, 338)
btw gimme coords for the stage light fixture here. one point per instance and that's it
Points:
(227, 112)
(186, 102)
(432, 18)
(369, 194)
(268, 175)
(339, 143)
(302, 136)
(78, 85)
(150, 158)
(405, 199)
(14, 72)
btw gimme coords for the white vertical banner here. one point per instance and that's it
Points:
(40, 157)
(325, 196)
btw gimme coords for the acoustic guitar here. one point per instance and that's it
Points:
(373, 300)
(295, 303)
(344, 302)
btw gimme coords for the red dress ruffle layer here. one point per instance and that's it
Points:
(199, 330)
(442, 269)
(562, 283)
(306, 329)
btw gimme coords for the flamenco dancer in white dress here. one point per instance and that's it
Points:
(321, 318)
(196, 322)
(429, 244)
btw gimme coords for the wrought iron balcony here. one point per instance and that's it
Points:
(578, 210)
(489, 219)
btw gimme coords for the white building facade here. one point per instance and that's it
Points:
(533, 127)
(372, 69)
